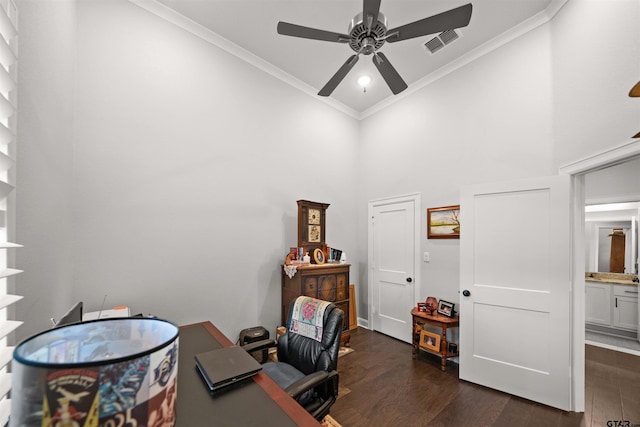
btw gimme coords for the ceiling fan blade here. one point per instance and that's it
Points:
(635, 90)
(338, 76)
(370, 9)
(287, 29)
(637, 135)
(452, 19)
(389, 74)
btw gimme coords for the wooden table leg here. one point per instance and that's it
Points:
(443, 349)
(414, 347)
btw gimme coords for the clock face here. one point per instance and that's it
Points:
(314, 216)
(314, 233)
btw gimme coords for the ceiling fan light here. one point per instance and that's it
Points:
(364, 80)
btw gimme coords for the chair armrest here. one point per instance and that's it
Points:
(309, 382)
(259, 345)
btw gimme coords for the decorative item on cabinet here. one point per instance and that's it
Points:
(431, 304)
(311, 225)
(318, 256)
(445, 308)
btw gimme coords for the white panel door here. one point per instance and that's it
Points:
(515, 285)
(393, 234)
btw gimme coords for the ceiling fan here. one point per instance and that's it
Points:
(368, 32)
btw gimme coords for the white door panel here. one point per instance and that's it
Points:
(515, 262)
(392, 263)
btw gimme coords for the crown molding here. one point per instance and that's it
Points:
(207, 35)
(500, 40)
(612, 156)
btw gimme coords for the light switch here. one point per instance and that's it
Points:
(427, 257)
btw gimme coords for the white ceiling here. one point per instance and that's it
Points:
(251, 25)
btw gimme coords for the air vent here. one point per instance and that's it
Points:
(441, 40)
(448, 36)
(434, 45)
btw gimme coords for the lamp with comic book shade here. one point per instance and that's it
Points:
(118, 371)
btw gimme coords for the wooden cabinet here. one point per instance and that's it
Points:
(328, 282)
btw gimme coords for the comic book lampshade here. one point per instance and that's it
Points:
(109, 372)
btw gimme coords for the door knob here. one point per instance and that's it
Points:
(466, 293)
(409, 279)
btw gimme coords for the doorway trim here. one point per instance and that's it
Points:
(417, 208)
(577, 170)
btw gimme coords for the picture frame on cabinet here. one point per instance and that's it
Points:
(445, 308)
(429, 341)
(318, 256)
(422, 307)
(443, 222)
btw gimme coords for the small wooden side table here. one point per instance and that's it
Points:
(443, 322)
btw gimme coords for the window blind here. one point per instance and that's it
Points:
(8, 104)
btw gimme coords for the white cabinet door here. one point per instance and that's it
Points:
(598, 303)
(625, 307)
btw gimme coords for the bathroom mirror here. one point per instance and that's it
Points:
(600, 221)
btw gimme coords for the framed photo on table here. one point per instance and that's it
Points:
(430, 341)
(445, 308)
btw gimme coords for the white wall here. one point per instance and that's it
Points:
(187, 166)
(45, 162)
(489, 121)
(619, 183)
(550, 97)
(596, 62)
(188, 161)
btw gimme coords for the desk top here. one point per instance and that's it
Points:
(256, 402)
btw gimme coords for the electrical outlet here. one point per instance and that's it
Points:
(427, 257)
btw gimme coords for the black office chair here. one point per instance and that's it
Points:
(307, 367)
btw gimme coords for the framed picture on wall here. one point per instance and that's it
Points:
(443, 223)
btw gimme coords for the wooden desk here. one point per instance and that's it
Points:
(443, 322)
(257, 402)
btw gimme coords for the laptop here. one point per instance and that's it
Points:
(226, 366)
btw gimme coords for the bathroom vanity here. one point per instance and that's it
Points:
(611, 302)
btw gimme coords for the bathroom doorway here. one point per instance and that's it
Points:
(612, 200)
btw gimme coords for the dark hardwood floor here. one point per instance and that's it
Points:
(381, 385)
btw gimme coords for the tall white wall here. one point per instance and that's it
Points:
(548, 98)
(44, 179)
(596, 62)
(183, 163)
(187, 166)
(488, 121)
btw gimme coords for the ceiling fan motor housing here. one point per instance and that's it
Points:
(367, 42)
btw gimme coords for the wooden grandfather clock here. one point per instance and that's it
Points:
(311, 225)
